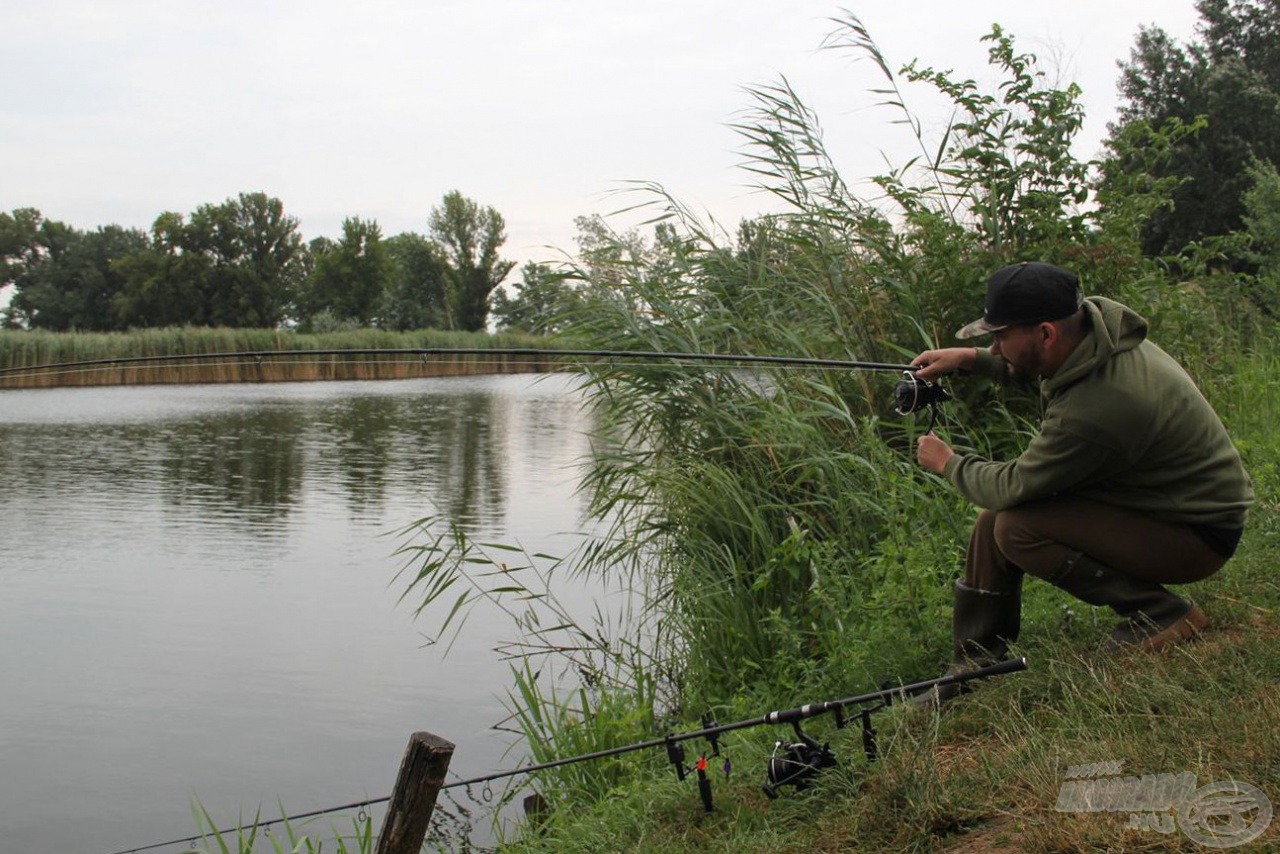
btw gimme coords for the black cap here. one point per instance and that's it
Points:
(1030, 292)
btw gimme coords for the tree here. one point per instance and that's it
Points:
(543, 302)
(1011, 167)
(64, 279)
(610, 261)
(1229, 74)
(1262, 227)
(232, 264)
(607, 256)
(89, 276)
(26, 240)
(255, 248)
(415, 294)
(167, 283)
(470, 237)
(23, 241)
(350, 277)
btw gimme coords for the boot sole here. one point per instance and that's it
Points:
(1184, 628)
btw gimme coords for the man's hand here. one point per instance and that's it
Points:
(933, 453)
(936, 363)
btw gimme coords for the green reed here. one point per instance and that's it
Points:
(28, 348)
(278, 836)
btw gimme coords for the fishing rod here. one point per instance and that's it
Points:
(529, 352)
(911, 394)
(791, 763)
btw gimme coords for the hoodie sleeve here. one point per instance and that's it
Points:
(1056, 460)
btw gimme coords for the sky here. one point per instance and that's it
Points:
(117, 111)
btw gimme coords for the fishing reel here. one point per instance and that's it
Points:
(913, 394)
(796, 763)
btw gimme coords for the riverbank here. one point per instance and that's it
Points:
(1003, 769)
(38, 359)
(1000, 771)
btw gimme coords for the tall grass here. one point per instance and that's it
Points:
(789, 528)
(1244, 392)
(279, 836)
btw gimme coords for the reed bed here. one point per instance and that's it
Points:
(83, 359)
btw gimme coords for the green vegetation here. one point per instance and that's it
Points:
(35, 347)
(283, 836)
(789, 548)
(1229, 76)
(242, 263)
(986, 774)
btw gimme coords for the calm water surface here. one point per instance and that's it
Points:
(196, 594)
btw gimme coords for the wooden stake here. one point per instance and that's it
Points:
(426, 760)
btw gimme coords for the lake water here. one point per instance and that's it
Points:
(197, 597)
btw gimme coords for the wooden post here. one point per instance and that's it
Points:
(422, 771)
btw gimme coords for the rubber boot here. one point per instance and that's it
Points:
(1154, 618)
(983, 624)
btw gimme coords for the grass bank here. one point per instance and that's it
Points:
(31, 348)
(986, 774)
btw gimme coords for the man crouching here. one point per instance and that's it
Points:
(1131, 482)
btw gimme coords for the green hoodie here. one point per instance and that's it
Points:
(1123, 424)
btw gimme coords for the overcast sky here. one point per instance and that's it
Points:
(116, 111)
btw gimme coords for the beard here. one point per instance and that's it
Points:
(1028, 367)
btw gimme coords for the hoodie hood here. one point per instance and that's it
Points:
(1115, 328)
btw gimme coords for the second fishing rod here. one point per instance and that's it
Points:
(792, 764)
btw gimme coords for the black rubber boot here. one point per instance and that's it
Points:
(1154, 618)
(983, 624)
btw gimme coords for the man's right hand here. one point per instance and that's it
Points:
(938, 363)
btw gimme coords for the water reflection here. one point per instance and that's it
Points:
(370, 447)
(250, 464)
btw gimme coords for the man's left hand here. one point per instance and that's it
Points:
(933, 453)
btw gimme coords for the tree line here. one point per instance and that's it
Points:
(243, 263)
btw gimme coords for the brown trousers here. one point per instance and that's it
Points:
(1040, 536)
